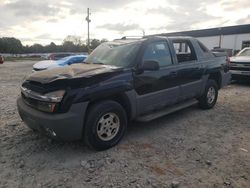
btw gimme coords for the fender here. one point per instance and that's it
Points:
(101, 91)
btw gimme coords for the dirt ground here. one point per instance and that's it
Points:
(190, 148)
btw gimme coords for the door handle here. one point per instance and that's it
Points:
(173, 74)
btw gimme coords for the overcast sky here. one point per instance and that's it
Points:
(44, 21)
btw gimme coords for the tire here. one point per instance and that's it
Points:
(209, 97)
(105, 126)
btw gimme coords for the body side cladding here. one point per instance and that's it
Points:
(132, 100)
(226, 78)
(203, 85)
(156, 100)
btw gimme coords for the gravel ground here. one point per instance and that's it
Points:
(190, 148)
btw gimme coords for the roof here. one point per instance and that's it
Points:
(230, 30)
(125, 41)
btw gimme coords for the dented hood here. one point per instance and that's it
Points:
(70, 72)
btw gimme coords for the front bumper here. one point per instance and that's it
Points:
(67, 126)
(240, 72)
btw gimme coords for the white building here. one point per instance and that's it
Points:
(232, 37)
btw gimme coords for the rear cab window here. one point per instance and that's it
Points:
(158, 51)
(184, 51)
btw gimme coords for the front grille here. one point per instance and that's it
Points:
(240, 68)
(242, 63)
(29, 101)
(34, 86)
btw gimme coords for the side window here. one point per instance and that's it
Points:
(184, 51)
(73, 60)
(159, 52)
(78, 60)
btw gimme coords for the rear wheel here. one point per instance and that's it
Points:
(105, 126)
(209, 97)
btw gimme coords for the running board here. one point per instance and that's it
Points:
(165, 111)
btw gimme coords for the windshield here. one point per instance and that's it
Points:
(65, 58)
(116, 54)
(245, 52)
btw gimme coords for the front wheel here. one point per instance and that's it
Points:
(209, 97)
(105, 126)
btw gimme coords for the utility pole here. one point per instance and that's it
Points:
(143, 32)
(88, 21)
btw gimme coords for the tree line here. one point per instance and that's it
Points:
(69, 44)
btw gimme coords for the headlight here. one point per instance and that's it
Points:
(55, 96)
(48, 102)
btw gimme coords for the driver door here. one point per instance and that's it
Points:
(156, 89)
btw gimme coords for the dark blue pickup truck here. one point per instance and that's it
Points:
(121, 81)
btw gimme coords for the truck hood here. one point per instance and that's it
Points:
(243, 59)
(41, 65)
(70, 72)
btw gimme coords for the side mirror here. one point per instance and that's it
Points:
(150, 65)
